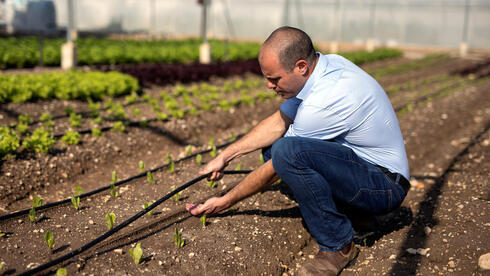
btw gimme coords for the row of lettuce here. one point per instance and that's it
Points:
(23, 52)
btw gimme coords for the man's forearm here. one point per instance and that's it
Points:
(263, 135)
(257, 180)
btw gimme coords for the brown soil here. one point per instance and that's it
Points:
(444, 215)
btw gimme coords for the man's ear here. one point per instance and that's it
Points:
(301, 67)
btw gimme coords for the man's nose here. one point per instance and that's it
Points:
(270, 85)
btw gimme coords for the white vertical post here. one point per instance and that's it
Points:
(205, 48)
(463, 46)
(69, 50)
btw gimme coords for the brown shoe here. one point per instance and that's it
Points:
(330, 263)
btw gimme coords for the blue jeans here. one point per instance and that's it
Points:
(317, 172)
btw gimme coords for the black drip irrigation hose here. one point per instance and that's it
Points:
(101, 189)
(122, 225)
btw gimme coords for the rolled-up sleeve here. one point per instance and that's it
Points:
(290, 107)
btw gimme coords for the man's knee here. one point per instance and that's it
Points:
(283, 149)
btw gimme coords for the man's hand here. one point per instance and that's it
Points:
(210, 207)
(216, 167)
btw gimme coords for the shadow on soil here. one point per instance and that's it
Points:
(416, 237)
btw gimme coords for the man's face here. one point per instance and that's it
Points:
(284, 83)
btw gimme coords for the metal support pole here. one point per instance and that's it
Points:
(299, 15)
(152, 18)
(204, 19)
(285, 13)
(69, 28)
(372, 14)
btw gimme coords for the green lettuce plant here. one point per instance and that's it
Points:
(110, 219)
(212, 153)
(150, 178)
(9, 141)
(178, 239)
(75, 119)
(32, 215)
(203, 220)
(176, 197)
(96, 132)
(199, 159)
(118, 126)
(61, 272)
(136, 253)
(41, 140)
(141, 165)
(48, 237)
(170, 164)
(188, 150)
(146, 205)
(211, 183)
(71, 137)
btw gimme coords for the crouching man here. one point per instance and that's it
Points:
(336, 136)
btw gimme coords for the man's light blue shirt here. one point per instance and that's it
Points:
(343, 103)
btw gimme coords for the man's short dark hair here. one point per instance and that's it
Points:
(293, 44)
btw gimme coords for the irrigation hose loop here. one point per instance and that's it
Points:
(109, 233)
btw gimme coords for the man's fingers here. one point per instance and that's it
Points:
(194, 208)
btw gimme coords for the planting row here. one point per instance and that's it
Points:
(65, 85)
(24, 52)
(135, 110)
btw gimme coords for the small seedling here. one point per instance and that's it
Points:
(188, 150)
(176, 197)
(114, 177)
(203, 220)
(136, 253)
(213, 152)
(261, 159)
(146, 205)
(199, 159)
(75, 202)
(238, 167)
(141, 165)
(211, 141)
(48, 237)
(170, 164)
(2, 234)
(71, 137)
(233, 208)
(233, 137)
(211, 183)
(32, 215)
(114, 193)
(37, 201)
(61, 272)
(75, 120)
(96, 132)
(78, 190)
(178, 240)
(150, 178)
(1, 266)
(118, 126)
(110, 219)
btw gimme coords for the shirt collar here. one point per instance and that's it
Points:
(319, 68)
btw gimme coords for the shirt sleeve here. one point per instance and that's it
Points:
(315, 122)
(290, 107)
